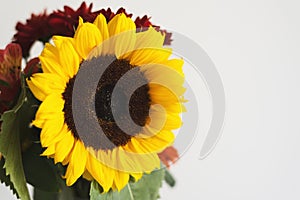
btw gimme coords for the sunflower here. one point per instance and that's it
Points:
(148, 105)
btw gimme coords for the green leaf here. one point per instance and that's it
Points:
(169, 178)
(6, 179)
(10, 146)
(82, 188)
(42, 195)
(64, 193)
(40, 171)
(145, 189)
(4, 83)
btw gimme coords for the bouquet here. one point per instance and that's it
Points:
(92, 116)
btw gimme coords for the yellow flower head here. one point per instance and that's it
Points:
(127, 58)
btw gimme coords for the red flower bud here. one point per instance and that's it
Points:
(10, 70)
(169, 155)
(32, 67)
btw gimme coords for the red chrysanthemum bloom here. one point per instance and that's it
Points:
(63, 22)
(10, 70)
(108, 14)
(35, 29)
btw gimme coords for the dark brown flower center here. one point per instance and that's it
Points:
(139, 104)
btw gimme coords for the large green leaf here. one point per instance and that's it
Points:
(37, 168)
(42, 195)
(10, 146)
(65, 193)
(145, 189)
(40, 171)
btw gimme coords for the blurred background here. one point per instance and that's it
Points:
(255, 46)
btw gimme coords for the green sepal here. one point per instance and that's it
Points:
(4, 83)
(147, 188)
(170, 180)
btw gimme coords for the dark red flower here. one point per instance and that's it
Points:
(168, 37)
(35, 29)
(64, 22)
(10, 70)
(122, 10)
(144, 22)
(32, 67)
(168, 156)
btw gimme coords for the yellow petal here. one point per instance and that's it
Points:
(38, 92)
(68, 57)
(77, 163)
(49, 151)
(52, 105)
(101, 24)
(44, 84)
(69, 175)
(87, 36)
(149, 55)
(158, 142)
(63, 147)
(173, 121)
(96, 169)
(164, 94)
(121, 179)
(109, 158)
(175, 64)
(113, 159)
(149, 39)
(122, 35)
(119, 24)
(67, 158)
(51, 131)
(87, 176)
(160, 119)
(175, 108)
(50, 61)
(124, 44)
(149, 48)
(163, 75)
(137, 176)
(137, 159)
(58, 40)
(105, 47)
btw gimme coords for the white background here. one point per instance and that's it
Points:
(255, 46)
